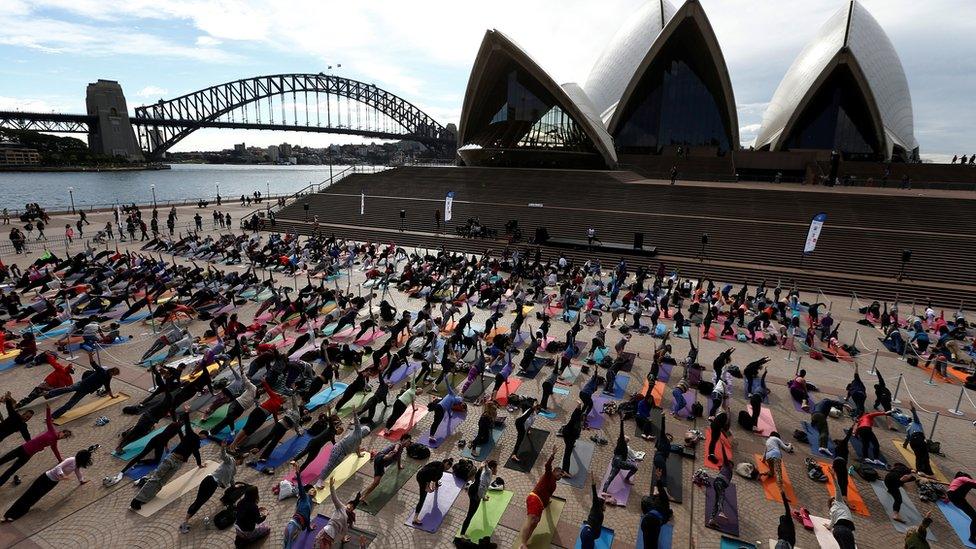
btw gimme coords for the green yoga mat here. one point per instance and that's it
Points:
(393, 479)
(355, 402)
(216, 417)
(542, 536)
(489, 513)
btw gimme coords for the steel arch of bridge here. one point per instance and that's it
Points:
(163, 124)
(46, 122)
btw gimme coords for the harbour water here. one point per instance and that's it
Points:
(183, 181)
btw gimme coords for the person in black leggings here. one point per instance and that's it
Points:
(156, 446)
(358, 385)
(786, 530)
(718, 425)
(522, 424)
(486, 422)
(960, 486)
(547, 387)
(266, 446)
(571, 433)
(594, 519)
(899, 475)
(839, 464)
(327, 433)
(656, 512)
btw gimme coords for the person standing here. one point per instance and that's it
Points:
(538, 500)
(222, 477)
(23, 453)
(15, 422)
(478, 492)
(571, 433)
(384, 458)
(428, 480)
(522, 425)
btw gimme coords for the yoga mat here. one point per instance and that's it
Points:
(629, 359)
(675, 478)
(958, 520)
(488, 515)
(79, 412)
(345, 471)
(691, 396)
(619, 386)
(353, 403)
(813, 438)
(856, 444)
(908, 511)
(730, 523)
(542, 535)
(664, 371)
(284, 452)
(657, 391)
(403, 371)
(579, 463)
(663, 539)
(605, 541)
(723, 442)
(132, 449)
(799, 407)
(619, 490)
(449, 425)
(769, 483)
(437, 505)
(326, 396)
(766, 425)
(393, 480)
(485, 449)
(909, 456)
(854, 499)
(477, 388)
(404, 423)
(177, 487)
(535, 439)
(560, 391)
(533, 370)
(824, 536)
(569, 375)
(595, 419)
(314, 468)
(508, 388)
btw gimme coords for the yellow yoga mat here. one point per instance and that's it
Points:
(342, 473)
(79, 412)
(542, 536)
(909, 456)
(211, 368)
(175, 488)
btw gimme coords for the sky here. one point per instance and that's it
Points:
(422, 50)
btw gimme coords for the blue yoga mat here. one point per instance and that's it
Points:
(605, 541)
(485, 449)
(620, 386)
(326, 396)
(560, 391)
(813, 438)
(729, 543)
(958, 520)
(285, 451)
(133, 448)
(663, 540)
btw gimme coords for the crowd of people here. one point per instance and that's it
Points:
(407, 335)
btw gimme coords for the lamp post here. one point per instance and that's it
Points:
(218, 187)
(153, 187)
(267, 197)
(71, 193)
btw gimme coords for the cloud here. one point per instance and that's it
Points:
(29, 105)
(153, 92)
(207, 41)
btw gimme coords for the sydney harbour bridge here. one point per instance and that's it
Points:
(289, 102)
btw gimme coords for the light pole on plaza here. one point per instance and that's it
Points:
(218, 187)
(267, 198)
(153, 187)
(71, 193)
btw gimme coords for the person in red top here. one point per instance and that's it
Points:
(270, 407)
(22, 454)
(864, 432)
(59, 377)
(538, 500)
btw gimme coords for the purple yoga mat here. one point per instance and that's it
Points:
(403, 371)
(306, 539)
(437, 505)
(799, 407)
(448, 426)
(691, 396)
(619, 490)
(595, 419)
(664, 371)
(730, 506)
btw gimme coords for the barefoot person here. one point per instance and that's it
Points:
(23, 453)
(48, 481)
(538, 500)
(384, 458)
(428, 480)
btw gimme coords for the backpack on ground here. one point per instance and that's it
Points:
(800, 436)
(868, 473)
(745, 420)
(463, 469)
(418, 451)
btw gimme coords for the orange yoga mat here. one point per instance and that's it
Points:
(854, 500)
(769, 483)
(722, 443)
(506, 389)
(658, 391)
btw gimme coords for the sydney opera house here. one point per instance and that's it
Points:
(661, 90)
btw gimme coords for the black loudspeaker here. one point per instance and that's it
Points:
(704, 238)
(638, 241)
(906, 255)
(541, 235)
(403, 214)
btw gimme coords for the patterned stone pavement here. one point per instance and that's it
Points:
(92, 515)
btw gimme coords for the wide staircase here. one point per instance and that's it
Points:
(754, 234)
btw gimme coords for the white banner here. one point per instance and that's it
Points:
(449, 206)
(816, 225)
(362, 203)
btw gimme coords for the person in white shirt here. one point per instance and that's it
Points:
(773, 457)
(47, 481)
(340, 521)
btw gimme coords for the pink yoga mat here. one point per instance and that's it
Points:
(315, 468)
(370, 336)
(507, 389)
(766, 424)
(405, 422)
